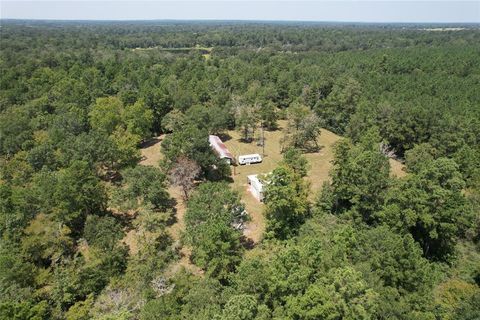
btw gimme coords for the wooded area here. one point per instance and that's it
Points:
(78, 101)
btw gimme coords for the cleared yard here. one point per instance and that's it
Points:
(320, 164)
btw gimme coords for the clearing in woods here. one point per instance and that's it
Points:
(320, 164)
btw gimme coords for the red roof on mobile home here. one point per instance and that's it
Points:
(219, 147)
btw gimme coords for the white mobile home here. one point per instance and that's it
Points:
(255, 186)
(249, 158)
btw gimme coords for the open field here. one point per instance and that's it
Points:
(319, 167)
(320, 164)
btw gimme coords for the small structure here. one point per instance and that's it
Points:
(220, 149)
(250, 158)
(255, 186)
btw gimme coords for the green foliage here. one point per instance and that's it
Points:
(192, 143)
(14, 130)
(138, 119)
(46, 240)
(396, 259)
(360, 178)
(430, 205)
(106, 114)
(69, 194)
(303, 128)
(77, 100)
(24, 310)
(286, 202)
(80, 310)
(341, 294)
(212, 213)
(102, 232)
(240, 307)
(212, 119)
(246, 118)
(142, 186)
(419, 157)
(469, 309)
(126, 150)
(294, 159)
(16, 274)
(335, 110)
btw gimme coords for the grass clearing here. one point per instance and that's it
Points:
(320, 164)
(397, 169)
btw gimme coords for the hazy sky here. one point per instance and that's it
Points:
(359, 11)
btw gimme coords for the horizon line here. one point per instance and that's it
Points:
(239, 20)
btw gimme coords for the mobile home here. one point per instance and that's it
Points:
(255, 186)
(220, 149)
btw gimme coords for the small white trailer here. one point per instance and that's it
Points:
(255, 186)
(249, 158)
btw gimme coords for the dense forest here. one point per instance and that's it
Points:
(78, 101)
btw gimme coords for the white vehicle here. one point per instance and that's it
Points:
(249, 158)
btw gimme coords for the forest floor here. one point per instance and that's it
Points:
(320, 164)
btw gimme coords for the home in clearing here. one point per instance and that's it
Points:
(220, 149)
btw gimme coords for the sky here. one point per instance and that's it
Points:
(342, 11)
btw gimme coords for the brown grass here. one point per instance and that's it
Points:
(397, 169)
(320, 164)
(151, 152)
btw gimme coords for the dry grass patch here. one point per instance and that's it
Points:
(397, 169)
(151, 152)
(320, 164)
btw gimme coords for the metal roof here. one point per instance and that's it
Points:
(219, 147)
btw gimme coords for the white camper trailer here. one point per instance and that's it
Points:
(249, 159)
(255, 186)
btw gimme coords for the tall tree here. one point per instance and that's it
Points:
(213, 212)
(360, 177)
(286, 199)
(430, 205)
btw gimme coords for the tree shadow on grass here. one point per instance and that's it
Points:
(247, 243)
(150, 142)
(312, 149)
(225, 137)
(172, 219)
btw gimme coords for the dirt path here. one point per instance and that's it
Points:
(151, 156)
